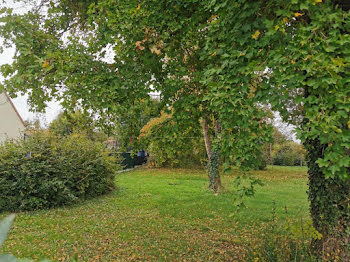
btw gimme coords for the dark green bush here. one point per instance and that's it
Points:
(259, 162)
(288, 154)
(45, 171)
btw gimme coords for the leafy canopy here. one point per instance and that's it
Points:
(215, 59)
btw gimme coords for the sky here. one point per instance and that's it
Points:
(53, 108)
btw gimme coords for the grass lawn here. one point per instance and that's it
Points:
(160, 215)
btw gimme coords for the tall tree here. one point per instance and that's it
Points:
(299, 51)
(68, 123)
(59, 55)
(128, 120)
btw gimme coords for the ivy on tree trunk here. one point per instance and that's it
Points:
(213, 172)
(213, 157)
(329, 207)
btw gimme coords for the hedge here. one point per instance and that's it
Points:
(45, 171)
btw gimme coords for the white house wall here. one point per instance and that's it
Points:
(11, 125)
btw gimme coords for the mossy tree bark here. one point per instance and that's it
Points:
(213, 172)
(329, 207)
(329, 204)
(213, 157)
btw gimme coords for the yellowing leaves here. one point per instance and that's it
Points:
(285, 20)
(185, 58)
(213, 18)
(146, 129)
(256, 34)
(298, 14)
(157, 48)
(252, 90)
(45, 64)
(338, 62)
(139, 46)
(349, 124)
(276, 27)
(138, 7)
(154, 49)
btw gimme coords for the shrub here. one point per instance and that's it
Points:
(289, 154)
(68, 123)
(261, 162)
(258, 162)
(169, 144)
(45, 171)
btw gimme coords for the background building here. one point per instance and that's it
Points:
(11, 123)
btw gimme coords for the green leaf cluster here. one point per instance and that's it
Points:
(45, 171)
(68, 123)
(170, 144)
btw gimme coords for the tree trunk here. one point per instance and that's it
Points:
(213, 172)
(206, 138)
(213, 158)
(329, 207)
(270, 154)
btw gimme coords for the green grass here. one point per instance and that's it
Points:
(161, 214)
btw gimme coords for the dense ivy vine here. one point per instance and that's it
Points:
(298, 53)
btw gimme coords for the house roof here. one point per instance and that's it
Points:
(13, 107)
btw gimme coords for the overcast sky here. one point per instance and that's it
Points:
(20, 102)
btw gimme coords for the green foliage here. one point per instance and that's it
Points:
(146, 54)
(259, 162)
(45, 171)
(245, 187)
(288, 153)
(288, 241)
(215, 59)
(68, 123)
(129, 121)
(282, 151)
(331, 220)
(170, 144)
(216, 67)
